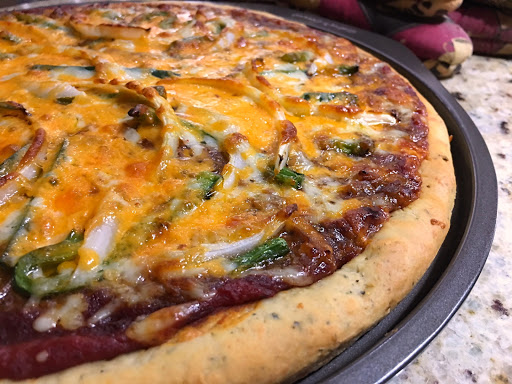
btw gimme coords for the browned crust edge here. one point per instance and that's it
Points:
(274, 340)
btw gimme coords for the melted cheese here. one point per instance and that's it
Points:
(127, 177)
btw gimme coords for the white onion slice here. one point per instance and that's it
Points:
(206, 252)
(101, 238)
(368, 118)
(66, 90)
(150, 329)
(123, 32)
(8, 190)
(190, 141)
(232, 249)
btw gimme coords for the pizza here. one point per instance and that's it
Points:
(199, 193)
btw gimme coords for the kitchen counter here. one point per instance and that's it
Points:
(476, 345)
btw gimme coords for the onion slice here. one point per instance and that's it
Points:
(116, 31)
(27, 170)
(207, 252)
(161, 325)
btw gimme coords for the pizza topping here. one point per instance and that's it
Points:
(345, 98)
(348, 70)
(296, 57)
(289, 177)
(359, 148)
(37, 20)
(30, 270)
(160, 163)
(11, 163)
(144, 114)
(272, 249)
(26, 215)
(11, 108)
(205, 183)
(10, 37)
(167, 23)
(115, 31)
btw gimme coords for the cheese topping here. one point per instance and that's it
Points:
(141, 145)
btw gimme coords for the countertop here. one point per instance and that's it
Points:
(476, 345)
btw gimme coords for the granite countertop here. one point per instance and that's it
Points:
(476, 345)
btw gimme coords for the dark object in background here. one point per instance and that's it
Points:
(490, 28)
(438, 32)
(423, 28)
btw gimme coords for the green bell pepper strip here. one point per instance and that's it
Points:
(10, 37)
(167, 23)
(158, 73)
(288, 177)
(48, 67)
(151, 15)
(136, 236)
(163, 74)
(21, 227)
(30, 19)
(205, 182)
(325, 97)
(270, 250)
(140, 233)
(10, 164)
(161, 90)
(64, 100)
(144, 114)
(348, 70)
(358, 148)
(297, 57)
(29, 273)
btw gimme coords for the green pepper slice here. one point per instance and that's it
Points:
(348, 70)
(288, 177)
(270, 250)
(325, 97)
(10, 164)
(64, 100)
(358, 148)
(297, 57)
(206, 181)
(33, 272)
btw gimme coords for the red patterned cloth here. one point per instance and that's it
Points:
(440, 43)
(442, 33)
(490, 29)
(423, 8)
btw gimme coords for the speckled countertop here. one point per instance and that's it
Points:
(476, 345)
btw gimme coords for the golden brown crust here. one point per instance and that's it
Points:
(275, 339)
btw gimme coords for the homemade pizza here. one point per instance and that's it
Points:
(199, 193)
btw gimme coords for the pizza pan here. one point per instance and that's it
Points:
(399, 337)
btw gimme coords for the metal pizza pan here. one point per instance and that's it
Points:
(399, 337)
(388, 347)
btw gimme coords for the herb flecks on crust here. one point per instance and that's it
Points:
(161, 162)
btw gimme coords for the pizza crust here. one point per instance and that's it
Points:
(285, 337)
